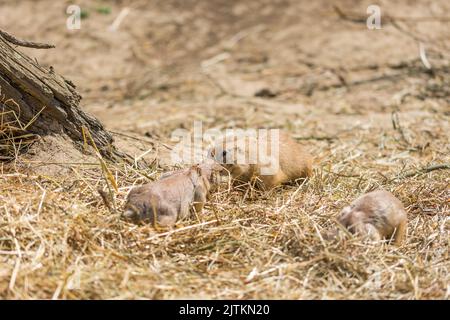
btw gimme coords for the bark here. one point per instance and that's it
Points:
(38, 91)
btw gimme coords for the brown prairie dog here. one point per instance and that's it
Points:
(170, 199)
(378, 215)
(274, 160)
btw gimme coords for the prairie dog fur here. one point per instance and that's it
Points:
(272, 162)
(378, 215)
(208, 169)
(170, 199)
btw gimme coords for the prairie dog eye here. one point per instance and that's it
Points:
(224, 156)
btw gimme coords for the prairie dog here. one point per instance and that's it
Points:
(170, 198)
(378, 215)
(273, 160)
(209, 169)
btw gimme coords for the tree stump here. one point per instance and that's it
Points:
(41, 101)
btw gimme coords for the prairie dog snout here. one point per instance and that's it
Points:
(378, 215)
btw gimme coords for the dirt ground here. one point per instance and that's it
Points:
(362, 101)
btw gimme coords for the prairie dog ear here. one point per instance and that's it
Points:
(196, 168)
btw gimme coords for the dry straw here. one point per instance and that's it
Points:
(58, 240)
(13, 132)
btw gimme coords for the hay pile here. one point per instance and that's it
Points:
(361, 101)
(13, 132)
(57, 239)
